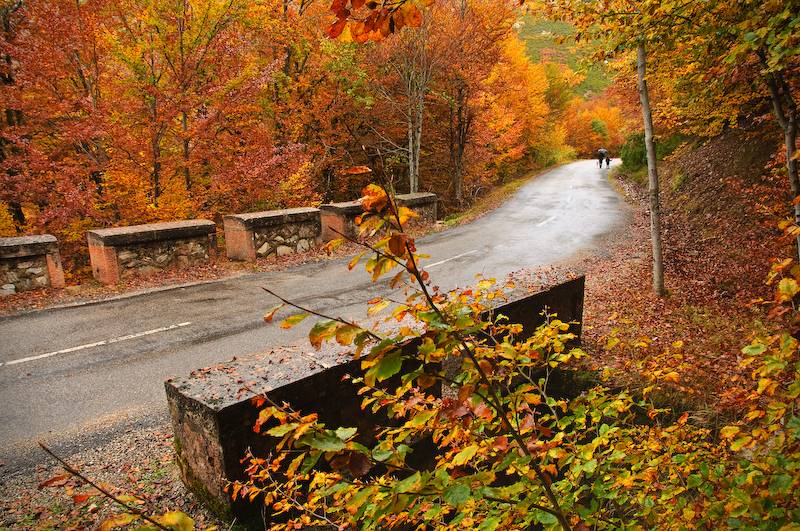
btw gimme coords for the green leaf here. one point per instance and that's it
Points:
(490, 524)
(293, 320)
(456, 494)
(780, 484)
(327, 442)
(283, 429)
(411, 483)
(754, 349)
(345, 433)
(740, 443)
(309, 462)
(420, 419)
(389, 366)
(379, 454)
(788, 288)
(321, 331)
(546, 518)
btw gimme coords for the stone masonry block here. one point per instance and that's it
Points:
(246, 234)
(149, 248)
(29, 262)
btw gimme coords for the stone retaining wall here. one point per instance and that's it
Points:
(275, 232)
(29, 262)
(212, 416)
(120, 252)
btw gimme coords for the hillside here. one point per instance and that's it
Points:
(719, 239)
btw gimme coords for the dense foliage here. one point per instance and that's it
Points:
(509, 449)
(127, 111)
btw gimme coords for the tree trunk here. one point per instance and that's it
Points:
(415, 113)
(785, 109)
(652, 172)
(186, 174)
(460, 122)
(156, 146)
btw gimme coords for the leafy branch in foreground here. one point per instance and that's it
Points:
(469, 431)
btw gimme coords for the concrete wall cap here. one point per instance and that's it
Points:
(20, 246)
(415, 199)
(275, 217)
(347, 207)
(151, 232)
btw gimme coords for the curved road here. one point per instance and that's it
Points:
(66, 373)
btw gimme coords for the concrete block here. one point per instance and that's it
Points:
(212, 418)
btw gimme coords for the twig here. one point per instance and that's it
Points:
(69, 468)
(322, 315)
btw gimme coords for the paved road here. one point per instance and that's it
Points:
(79, 370)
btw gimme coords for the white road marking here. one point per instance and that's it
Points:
(551, 218)
(96, 344)
(440, 262)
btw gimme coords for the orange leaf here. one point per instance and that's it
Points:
(336, 28)
(55, 481)
(355, 170)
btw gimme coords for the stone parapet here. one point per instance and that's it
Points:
(120, 252)
(213, 415)
(279, 232)
(340, 218)
(30, 262)
(423, 203)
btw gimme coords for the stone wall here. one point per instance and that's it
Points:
(212, 417)
(423, 203)
(341, 217)
(29, 262)
(121, 252)
(275, 232)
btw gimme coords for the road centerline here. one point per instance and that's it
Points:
(95, 344)
(440, 262)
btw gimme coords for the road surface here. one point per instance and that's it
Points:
(72, 372)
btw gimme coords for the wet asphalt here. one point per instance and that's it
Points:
(72, 398)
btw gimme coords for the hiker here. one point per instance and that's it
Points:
(602, 154)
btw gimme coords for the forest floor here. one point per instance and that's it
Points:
(719, 245)
(717, 253)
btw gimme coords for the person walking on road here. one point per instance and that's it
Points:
(602, 154)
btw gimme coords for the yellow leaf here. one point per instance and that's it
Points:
(118, 520)
(728, 432)
(292, 320)
(345, 334)
(766, 386)
(177, 520)
(672, 376)
(377, 307)
(787, 289)
(465, 455)
(271, 313)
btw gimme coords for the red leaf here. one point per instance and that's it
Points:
(81, 497)
(337, 28)
(55, 481)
